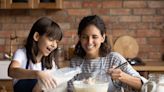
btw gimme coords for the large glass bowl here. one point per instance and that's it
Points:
(80, 86)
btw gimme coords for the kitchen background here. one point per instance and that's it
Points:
(141, 19)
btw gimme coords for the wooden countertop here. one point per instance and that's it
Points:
(151, 66)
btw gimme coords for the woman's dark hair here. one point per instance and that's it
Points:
(44, 26)
(99, 23)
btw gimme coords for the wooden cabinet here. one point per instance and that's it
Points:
(31, 4)
(6, 86)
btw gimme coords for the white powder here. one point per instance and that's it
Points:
(80, 86)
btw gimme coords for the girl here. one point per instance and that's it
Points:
(93, 51)
(29, 62)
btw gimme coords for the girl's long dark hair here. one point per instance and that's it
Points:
(44, 26)
(99, 23)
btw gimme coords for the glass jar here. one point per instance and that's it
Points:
(155, 83)
(60, 57)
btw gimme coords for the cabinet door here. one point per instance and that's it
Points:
(19, 4)
(2, 4)
(48, 4)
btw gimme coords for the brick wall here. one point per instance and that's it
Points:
(142, 19)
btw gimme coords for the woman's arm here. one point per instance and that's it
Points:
(118, 74)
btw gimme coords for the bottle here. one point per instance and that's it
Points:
(60, 57)
(62, 76)
(65, 74)
(71, 47)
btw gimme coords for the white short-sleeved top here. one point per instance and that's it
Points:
(21, 57)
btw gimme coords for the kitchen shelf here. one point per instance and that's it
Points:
(31, 4)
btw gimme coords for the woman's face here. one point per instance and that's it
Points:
(46, 45)
(91, 40)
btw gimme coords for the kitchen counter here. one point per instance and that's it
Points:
(151, 66)
(3, 69)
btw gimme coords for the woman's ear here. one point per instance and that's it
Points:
(36, 36)
(103, 38)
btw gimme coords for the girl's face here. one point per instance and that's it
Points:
(91, 40)
(46, 45)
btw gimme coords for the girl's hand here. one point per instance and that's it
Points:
(47, 79)
(37, 88)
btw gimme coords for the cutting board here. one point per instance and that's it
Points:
(127, 46)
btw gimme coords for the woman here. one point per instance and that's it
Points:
(32, 62)
(93, 53)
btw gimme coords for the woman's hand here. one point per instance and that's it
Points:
(47, 79)
(116, 74)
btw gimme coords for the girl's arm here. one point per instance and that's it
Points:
(15, 71)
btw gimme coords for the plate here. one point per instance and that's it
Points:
(126, 46)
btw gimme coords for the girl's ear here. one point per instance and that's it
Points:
(36, 36)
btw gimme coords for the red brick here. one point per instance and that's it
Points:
(156, 4)
(142, 55)
(18, 12)
(148, 33)
(14, 48)
(79, 12)
(110, 19)
(152, 18)
(60, 16)
(2, 48)
(20, 41)
(22, 33)
(38, 13)
(2, 41)
(161, 11)
(154, 55)
(5, 19)
(16, 26)
(130, 19)
(92, 4)
(154, 41)
(149, 48)
(64, 25)
(78, 19)
(100, 11)
(141, 41)
(144, 11)
(25, 19)
(138, 25)
(69, 33)
(120, 11)
(119, 26)
(6, 34)
(72, 4)
(118, 32)
(134, 4)
(112, 4)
